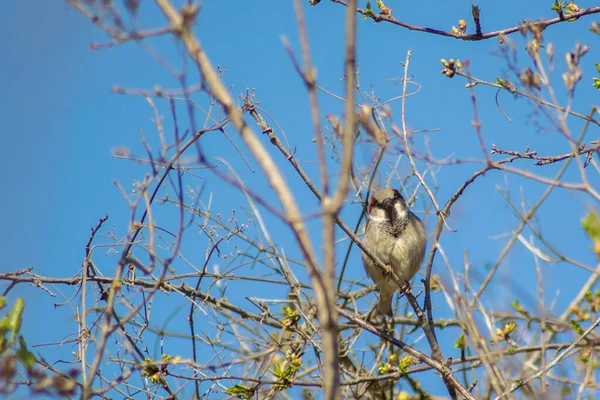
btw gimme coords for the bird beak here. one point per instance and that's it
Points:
(388, 204)
(388, 207)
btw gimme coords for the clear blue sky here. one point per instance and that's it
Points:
(61, 121)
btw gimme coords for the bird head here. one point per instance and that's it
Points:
(388, 207)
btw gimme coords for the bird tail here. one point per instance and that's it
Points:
(384, 307)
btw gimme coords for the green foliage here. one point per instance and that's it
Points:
(596, 81)
(504, 333)
(558, 6)
(15, 357)
(384, 368)
(12, 323)
(384, 9)
(576, 327)
(25, 356)
(564, 8)
(151, 370)
(240, 391)
(461, 342)
(394, 363)
(369, 11)
(404, 363)
(285, 371)
(291, 317)
(519, 308)
(476, 12)
(156, 370)
(506, 84)
(591, 225)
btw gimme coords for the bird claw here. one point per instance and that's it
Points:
(406, 288)
(388, 272)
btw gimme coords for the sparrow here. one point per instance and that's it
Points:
(397, 237)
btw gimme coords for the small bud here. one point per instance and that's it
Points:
(462, 25)
(509, 328)
(530, 79)
(121, 152)
(384, 369)
(571, 8)
(385, 10)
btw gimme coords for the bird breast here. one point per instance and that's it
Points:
(403, 253)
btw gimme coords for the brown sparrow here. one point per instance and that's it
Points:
(397, 237)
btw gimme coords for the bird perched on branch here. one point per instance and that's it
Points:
(397, 237)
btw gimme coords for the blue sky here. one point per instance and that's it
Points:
(61, 122)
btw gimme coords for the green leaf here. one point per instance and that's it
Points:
(404, 364)
(461, 342)
(241, 391)
(25, 356)
(475, 11)
(14, 319)
(558, 6)
(518, 307)
(278, 372)
(368, 12)
(591, 225)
